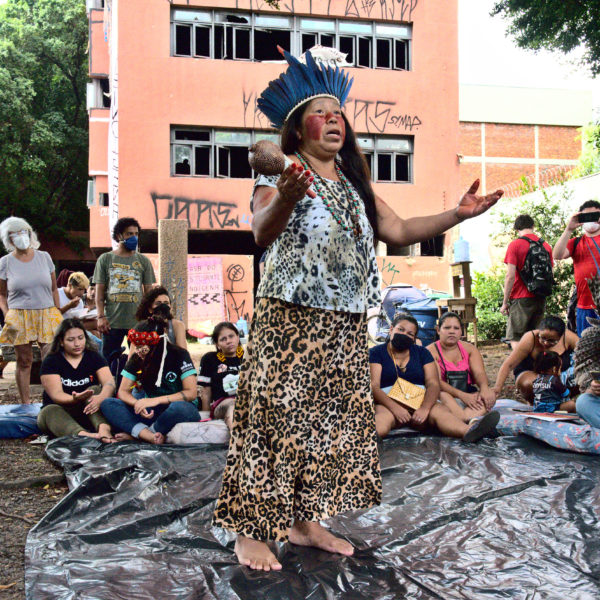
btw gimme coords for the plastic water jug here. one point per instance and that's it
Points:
(242, 326)
(461, 250)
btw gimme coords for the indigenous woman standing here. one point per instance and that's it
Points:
(303, 445)
(28, 297)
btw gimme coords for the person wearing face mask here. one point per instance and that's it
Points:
(28, 297)
(585, 251)
(401, 358)
(524, 308)
(121, 276)
(159, 296)
(164, 373)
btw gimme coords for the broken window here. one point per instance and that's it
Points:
(433, 247)
(266, 42)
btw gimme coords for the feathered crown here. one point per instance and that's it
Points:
(299, 84)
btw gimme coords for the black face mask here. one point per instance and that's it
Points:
(401, 341)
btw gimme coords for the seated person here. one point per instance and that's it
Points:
(551, 335)
(70, 296)
(464, 384)
(164, 373)
(402, 358)
(219, 372)
(549, 392)
(154, 298)
(71, 400)
(90, 315)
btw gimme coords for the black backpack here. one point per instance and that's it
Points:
(537, 269)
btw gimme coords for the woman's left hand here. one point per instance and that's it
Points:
(472, 205)
(489, 398)
(141, 408)
(93, 405)
(420, 416)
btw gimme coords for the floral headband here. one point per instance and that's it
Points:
(143, 338)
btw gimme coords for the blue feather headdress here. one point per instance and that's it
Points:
(299, 84)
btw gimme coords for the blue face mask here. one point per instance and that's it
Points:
(131, 242)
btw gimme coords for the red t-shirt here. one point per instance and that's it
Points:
(515, 255)
(584, 267)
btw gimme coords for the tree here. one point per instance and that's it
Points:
(43, 118)
(561, 25)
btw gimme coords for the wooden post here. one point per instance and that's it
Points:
(172, 256)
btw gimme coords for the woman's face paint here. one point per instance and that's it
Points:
(331, 122)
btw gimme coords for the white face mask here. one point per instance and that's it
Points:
(21, 241)
(591, 227)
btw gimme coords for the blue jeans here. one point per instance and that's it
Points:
(582, 314)
(111, 342)
(166, 416)
(588, 408)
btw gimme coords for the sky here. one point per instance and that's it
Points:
(488, 57)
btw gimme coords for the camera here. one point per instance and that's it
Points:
(588, 217)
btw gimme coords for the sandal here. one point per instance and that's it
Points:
(480, 426)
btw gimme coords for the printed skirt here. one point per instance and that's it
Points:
(303, 444)
(25, 325)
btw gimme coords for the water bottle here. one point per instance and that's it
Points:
(242, 326)
(461, 250)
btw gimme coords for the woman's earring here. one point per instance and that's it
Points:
(221, 356)
(240, 351)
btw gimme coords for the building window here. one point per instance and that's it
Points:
(98, 94)
(389, 158)
(197, 152)
(250, 36)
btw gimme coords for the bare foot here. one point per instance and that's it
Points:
(123, 437)
(310, 533)
(159, 438)
(84, 433)
(255, 554)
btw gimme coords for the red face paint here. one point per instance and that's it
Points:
(315, 123)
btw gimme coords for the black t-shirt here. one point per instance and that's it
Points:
(178, 365)
(73, 380)
(213, 371)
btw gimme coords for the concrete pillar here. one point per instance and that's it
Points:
(172, 256)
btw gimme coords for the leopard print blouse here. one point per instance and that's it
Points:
(316, 263)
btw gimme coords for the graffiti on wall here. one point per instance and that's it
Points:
(199, 213)
(395, 10)
(235, 293)
(372, 116)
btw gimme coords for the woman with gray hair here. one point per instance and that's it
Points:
(28, 297)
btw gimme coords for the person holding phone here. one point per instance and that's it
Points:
(585, 252)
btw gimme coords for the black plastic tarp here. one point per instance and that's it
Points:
(505, 518)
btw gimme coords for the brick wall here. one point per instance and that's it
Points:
(558, 150)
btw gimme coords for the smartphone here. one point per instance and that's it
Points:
(596, 375)
(588, 217)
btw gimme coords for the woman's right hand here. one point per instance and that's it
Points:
(293, 183)
(401, 415)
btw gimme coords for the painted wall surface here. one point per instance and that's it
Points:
(157, 91)
(98, 52)
(238, 293)
(420, 271)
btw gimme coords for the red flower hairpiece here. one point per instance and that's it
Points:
(143, 338)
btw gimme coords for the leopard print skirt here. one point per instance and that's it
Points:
(303, 444)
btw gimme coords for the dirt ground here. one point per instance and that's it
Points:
(30, 485)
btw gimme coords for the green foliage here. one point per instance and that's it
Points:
(43, 118)
(561, 25)
(488, 289)
(589, 161)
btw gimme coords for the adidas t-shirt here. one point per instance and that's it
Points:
(73, 380)
(178, 365)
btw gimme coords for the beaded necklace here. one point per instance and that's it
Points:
(354, 203)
